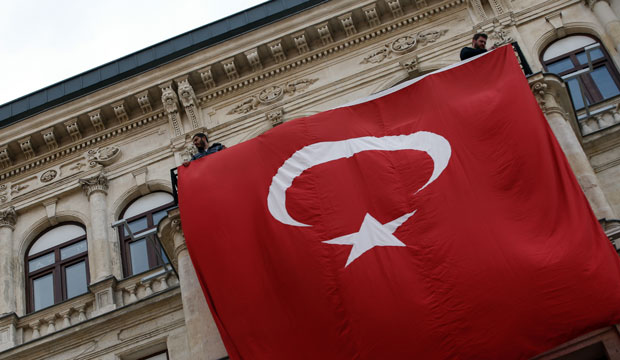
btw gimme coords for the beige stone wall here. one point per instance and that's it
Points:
(136, 130)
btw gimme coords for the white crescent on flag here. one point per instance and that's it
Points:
(372, 233)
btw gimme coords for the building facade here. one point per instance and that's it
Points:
(86, 195)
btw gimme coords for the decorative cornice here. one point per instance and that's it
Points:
(403, 44)
(95, 183)
(8, 217)
(271, 94)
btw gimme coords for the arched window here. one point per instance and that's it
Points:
(57, 266)
(140, 254)
(568, 55)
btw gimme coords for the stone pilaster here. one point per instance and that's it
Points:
(608, 18)
(8, 218)
(8, 331)
(552, 96)
(99, 247)
(203, 338)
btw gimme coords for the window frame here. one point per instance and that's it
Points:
(125, 239)
(590, 89)
(155, 354)
(57, 269)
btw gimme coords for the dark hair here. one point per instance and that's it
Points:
(479, 35)
(202, 135)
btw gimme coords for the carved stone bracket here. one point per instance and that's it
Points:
(144, 102)
(324, 33)
(275, 117)
(73, 129)
(5, 159)
(49, 138)
(410, 65)
(277, 51)
(96, 119)
(189, 101)
(95, 183)
(404, 44)
(372, 15)
(120, 111)
(348, 24)
(26, 146)
(300, 42)
(8, 217)
(271, 95)
(171, 106)
(103, 156)
(395, 7)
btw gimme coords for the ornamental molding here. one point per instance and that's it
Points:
(591, 3)
(275, 117)
(48, 176)
(272, 94)
(404, 44)
(323, 48)
(8, 217)
(95, 183)
(103, 156)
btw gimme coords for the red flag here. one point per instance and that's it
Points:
(440, 221)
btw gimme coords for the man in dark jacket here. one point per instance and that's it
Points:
(479, 46)
(201, 142)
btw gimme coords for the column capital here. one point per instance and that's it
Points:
(95, 183)
(8, 218)
(171, 236)
(551, 93)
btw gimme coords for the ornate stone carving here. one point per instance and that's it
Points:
(119, 111)
(98, 182)
(403, 45)
(73, 129)
(300, 42)
(500, 35)
(3, 193)
(347, 23)
(420, 4)
(254, 59)
(5, 159)
(17, 188)
(49, 138)
(395, 7)
(372, 15)
(207, 77)
(96, 120)
(103, 156)
(26, 147)
(275, 117)
(48, 176)
(144, 102)
(230, 69)
(189, 101)
(324, 33)
(8, 217)
(411, 65)
(277, 50)
(272, 94)
(171, 106)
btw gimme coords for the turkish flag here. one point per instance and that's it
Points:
(438, 221)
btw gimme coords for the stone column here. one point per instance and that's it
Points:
(8, 217)
(203, 338)
(608, 18)
(552, 96)
(99, 253)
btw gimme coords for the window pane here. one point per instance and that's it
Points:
(162, 356)
(560, 66)
(56, 236)
(139, 257)
(41, 262)
(73, 250)
(43, 289)
(163, 256)
(76, 279)
(604, 82)
(158, 216)
(138, 225)
(594, 54)
(573, 86)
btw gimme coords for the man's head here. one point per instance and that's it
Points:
(200, 141)
(479, 41)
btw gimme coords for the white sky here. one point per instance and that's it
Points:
(46, 41)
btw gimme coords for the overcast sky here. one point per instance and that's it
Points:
(46, 41)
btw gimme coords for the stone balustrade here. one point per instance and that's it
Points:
(15, 330)
(602, 116)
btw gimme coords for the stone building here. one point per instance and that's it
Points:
(85, 159)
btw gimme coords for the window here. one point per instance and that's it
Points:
(159, 356)
(57, 266)
(567, 56)
(139, 254)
